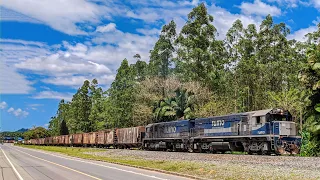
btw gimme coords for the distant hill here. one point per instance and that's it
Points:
(22, 130)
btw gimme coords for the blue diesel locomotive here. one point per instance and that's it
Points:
(269, 131)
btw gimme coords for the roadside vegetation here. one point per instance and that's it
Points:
(194, 73)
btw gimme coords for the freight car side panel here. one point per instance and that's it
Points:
(77, 139)
(41, 141)
(50, 140)
(110, 137)
(101, 137)
(130, 135)
(85, 138)
(60, 140)
(66, 140)
(93, 138)
(55, 140)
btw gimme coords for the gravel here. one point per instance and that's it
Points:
(231, 166)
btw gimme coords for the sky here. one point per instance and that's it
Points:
(48, 47)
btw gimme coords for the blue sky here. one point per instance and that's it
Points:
(48, 48)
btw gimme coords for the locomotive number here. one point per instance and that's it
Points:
(217, 123)
(170, 129)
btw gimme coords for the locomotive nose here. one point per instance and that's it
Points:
(289, 149)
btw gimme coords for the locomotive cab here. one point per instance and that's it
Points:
(282, 123)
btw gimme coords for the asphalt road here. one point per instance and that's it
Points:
(25, 164)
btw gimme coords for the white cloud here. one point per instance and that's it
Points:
(9, 15)
(287, 3)
(106, 28)
(223, 19)
(57, 64)
(64, 16)
(18, 112)
(77, 81)
(259, 8)
(34, 106)
(315, 3)
(299, 35)
(3, 105)
(16, 50)
(148, 32)
(12, 82)
(10, 110)
(53, 95)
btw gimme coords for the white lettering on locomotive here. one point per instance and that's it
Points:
(170, 129)
(217, 123)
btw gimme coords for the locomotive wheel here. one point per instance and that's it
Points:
(265, 153)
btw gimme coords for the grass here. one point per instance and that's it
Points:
(202, 170)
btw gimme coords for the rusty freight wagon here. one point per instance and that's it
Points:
(93, 138)
(76, 139)
(129, 137)
(105, 138)
(85, 139)
(55, 140)
(66, 140)
(110, 138)
(33, 141)
(101, 138)
(63, 140)
(41, 141)
(50, 140)
(60, 140)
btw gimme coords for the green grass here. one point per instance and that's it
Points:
(202, 170)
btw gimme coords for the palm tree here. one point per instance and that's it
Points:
(179, 107)
(164, 110)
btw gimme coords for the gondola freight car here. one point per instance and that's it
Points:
(129, 137)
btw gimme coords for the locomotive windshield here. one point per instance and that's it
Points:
(281, 117)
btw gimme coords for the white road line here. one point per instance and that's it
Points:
(14, 169)
(93, 177)
(110, 167)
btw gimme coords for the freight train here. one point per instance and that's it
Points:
(270, 131)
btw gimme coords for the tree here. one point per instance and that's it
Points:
(140, 70)
(55, 124)
(294, 100)
(199, 53)
(97, 121)
(80, 110)
(35, 133)
(122, 96)
(63, 128)
(172, 108)
(310, 76)
(161, 57)
(164, 110)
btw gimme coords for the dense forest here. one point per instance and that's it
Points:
(192, 74)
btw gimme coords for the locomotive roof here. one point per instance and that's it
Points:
(260, 112)
(253, 113)
(168, 122)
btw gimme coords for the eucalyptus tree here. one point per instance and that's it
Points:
(198, 54)
(122, 95)
(97, 122)
(80, 109)
(161, 57)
